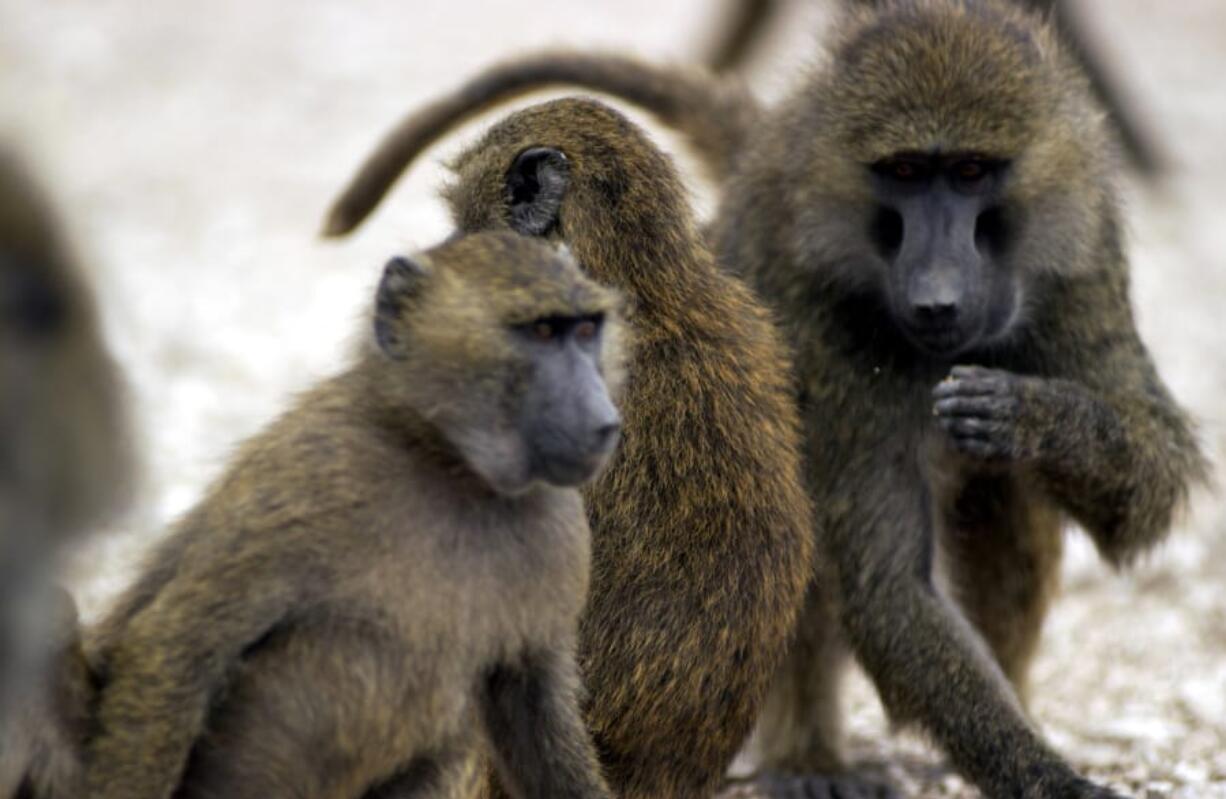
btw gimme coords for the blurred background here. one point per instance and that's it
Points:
(192, 149)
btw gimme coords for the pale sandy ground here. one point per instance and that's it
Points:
(195, 145)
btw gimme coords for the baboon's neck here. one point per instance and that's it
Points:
(368, 391)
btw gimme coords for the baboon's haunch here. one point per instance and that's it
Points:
(699, 526)
(395, 564)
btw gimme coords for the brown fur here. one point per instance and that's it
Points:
(1143, 150)
(742, 33)
(712, 113)
(350, 599)
(700, 540)
(64, 468)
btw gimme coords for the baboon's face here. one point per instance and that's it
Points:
(941, 232)
(33, 308)
(63, 451)
(938, 174)
(566, 418)
(507, 346)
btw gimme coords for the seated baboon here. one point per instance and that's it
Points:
(391, 573)
(701, 531)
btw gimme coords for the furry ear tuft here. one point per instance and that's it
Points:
(402, 281)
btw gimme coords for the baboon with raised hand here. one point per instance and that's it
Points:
(700, 526)
(934, 215)
(390, 575)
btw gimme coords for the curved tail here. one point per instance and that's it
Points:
(716, 116)
(741, 33)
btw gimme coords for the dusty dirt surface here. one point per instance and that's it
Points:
(194, 147)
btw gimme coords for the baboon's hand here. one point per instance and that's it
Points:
(991, 414)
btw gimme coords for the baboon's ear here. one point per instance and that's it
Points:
(536, 183)
(402, 281)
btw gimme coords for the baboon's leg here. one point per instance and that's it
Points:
(449, 775)
(1003, 550)
(799, 728)
(799, 732)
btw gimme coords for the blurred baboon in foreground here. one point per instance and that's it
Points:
(746, 24)
(64, 466)
(391, 573)
(934, 216)
(700, 527)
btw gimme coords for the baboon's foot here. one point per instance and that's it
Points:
(778, 785)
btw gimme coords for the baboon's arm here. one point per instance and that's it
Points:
(927, 664)
(171, 661)
(876, 529)
(541, 747)
(1123, 454)
(1108, 441)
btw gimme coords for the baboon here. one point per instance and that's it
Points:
(933, 217)
(744, 28)
(396, 563)
(700, 525)
(65, 460)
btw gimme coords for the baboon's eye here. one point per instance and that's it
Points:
(902, 170)
(975, 175)
(971, 174)
(971, 171)
(552, 329)
(586, 329)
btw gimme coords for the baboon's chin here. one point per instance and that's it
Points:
(943, 344)
(571, 472)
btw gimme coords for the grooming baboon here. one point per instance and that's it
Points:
(700, 525)
(743, 30)
(934, 217)
(394, 564)
(64, 463)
